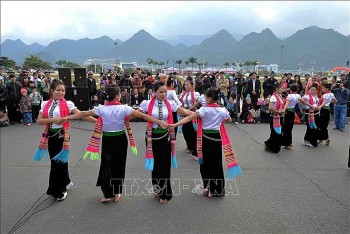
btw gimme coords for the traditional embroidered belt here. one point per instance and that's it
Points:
(210, 131)
(55, 129)
(290, 109)
(211, 138)
(114, 133)
(159, 130)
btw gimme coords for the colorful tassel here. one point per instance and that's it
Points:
(93, 155)
(62, 157)
(40, 154)
(233, 172)
(195, 126)
(173, 162)
(277, 124)
(200, 161)
(149, 163)
(179, 128)
(311, 119)
(134, 150)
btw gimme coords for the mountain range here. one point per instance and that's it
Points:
(326, 47)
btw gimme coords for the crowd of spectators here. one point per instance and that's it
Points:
(246, 97)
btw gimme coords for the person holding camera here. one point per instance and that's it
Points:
(341, 93)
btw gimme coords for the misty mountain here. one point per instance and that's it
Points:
(264, 46)
(79, 50)
(18, 50)
(142, 46)
(326, 47)
(188, 40)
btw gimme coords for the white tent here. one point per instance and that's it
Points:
(228, 70)
(209, 70)
(190, 70)
(171, 69)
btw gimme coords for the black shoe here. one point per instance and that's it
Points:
(12, 123)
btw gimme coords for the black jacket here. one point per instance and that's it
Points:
(257, 87)
(92, 86)
(13, 93)
(139, 98)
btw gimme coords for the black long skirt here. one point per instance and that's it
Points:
(190, 136)
(175, 120)
(162, 166)
(325, 115)
(59, 177)
(211, 169)
(288, 124)
(273, 144)
(113, 161)
(311, 135)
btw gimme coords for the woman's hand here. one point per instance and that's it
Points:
(163, 125)
(59, 121)
(172, 126)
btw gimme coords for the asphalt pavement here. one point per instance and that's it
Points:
(302, 190)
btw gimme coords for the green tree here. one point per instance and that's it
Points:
(61, 62)
(92, 67)
(149, 61)
(7, 63)
(65, 63)
(192, 60)
(226, 64)
(247, 63)
(156, 64)
(241, 66)
(179, 62)
(35, 62)
(71, 64)
(161, 65)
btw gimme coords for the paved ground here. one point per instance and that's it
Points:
(302, 190)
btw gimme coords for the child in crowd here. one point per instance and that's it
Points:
(264, 111)
(95, 101)
(231, 108)
(36, 99)
(248, 112)
(25, 107)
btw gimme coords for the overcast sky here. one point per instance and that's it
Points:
(46, 21)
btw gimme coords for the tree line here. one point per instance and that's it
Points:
(35, 62)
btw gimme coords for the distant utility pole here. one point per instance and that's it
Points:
(300, 65)
(313, 67)
(282, 47)
(116, 43)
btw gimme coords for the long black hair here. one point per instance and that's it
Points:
(157, 85)
(112, 91)
(55, 83)
(213, 93)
